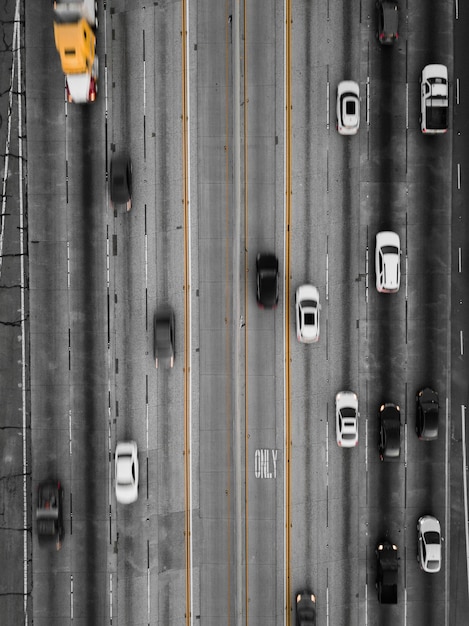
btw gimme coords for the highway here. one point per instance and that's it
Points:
(228, 112)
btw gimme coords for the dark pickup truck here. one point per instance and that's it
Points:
(49, 513)
(386, 576)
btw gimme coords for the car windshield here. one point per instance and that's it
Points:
(163, 339)
(347, 412)
(389, 250)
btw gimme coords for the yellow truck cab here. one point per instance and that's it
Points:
(76, 44)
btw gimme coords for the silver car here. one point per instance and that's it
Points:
(348, 107)
(126, 465)
(429, 544)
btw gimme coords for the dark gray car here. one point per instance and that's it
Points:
(267, 280)
(389, 445)
(388, 19)
(428, 407)
(49, 517)
(121, 180)
(305, 608)
(164, 338)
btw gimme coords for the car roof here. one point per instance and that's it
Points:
(163, 322)
(267, 260)
(391, 16)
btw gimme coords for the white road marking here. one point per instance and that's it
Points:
(407, 106)
(459, 175)
(262, 465)
(368, 100)
(327, 270)
(328, 98)
(17, 46)
(71, 597)
(327, 444)
(461, 342)
(464, 475)
(366, 275)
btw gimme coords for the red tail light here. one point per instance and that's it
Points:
(92, 91)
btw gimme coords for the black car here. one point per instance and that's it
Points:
(164, 338)
(305, 608)
(49, 516)
(267, 280)
(389, 432)
(386, 572)
(388, 19)
(428, 406)
(121, 180)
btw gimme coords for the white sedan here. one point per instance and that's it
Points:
(348, 107)
(429, 544)
(346, 418)
(126, 472)
(388, 262)
(307, 313)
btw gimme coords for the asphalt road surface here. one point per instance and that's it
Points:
(239, 437)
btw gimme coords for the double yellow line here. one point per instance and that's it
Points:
(288, 196)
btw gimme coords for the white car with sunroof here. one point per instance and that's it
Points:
(346, 416)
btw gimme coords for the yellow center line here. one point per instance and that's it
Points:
(288, 193)
(246, 291)
(228, 348)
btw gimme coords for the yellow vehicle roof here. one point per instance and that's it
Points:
(76, 44)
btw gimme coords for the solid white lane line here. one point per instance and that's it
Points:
(366, 274)
(464, 475)
(407, 106)
(327, 270)
(328, 103)
(368, 100)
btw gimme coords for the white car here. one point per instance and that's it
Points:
(307, 313)
(346, 419)
(388, 262)
(348, 107)
(434, 109)
(126, 472)
(429, 544)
